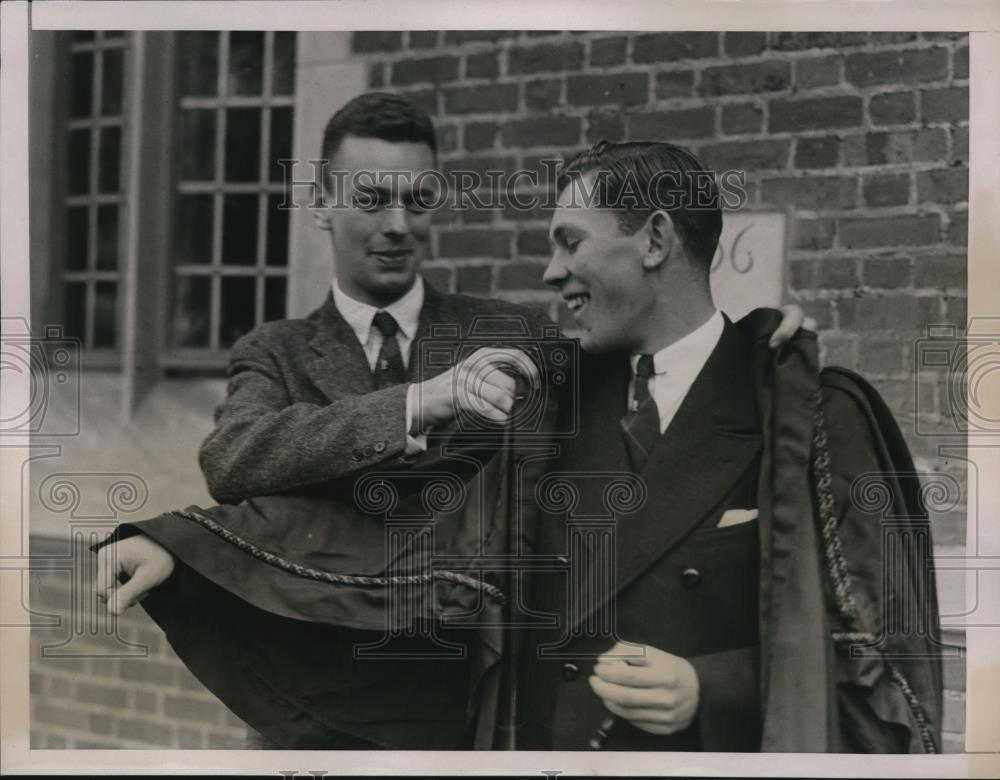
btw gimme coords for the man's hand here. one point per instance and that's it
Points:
(477, 386)
(792, 318)
(129, 569)
(653, 690)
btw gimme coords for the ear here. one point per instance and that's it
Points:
(321, 218)
(661, 237)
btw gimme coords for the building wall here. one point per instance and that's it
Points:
(860, 138)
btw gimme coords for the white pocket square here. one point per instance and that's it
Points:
(737, 516)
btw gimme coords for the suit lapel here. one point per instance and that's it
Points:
(340, 366)
(709, 444)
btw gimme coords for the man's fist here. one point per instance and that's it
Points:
(129, 569)
(481, 385)
(653, 690)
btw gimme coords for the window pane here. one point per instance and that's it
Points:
(246, 63)
(283, 74)
(76, 238)
(105, 314)
(243, 144)
(238, 293)
(110, 159)
(79, 161)
(107, 237)
(274, 298)
(83, 35)
(82, 84)
(198, 67)
(281, 140)
(74, 311)
(197, 145)
(192, 311)
(239, 230)
(111, 82)
(277, 232)
(194, 229)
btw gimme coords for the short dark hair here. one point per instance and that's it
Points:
(379, 115)
(640, 177)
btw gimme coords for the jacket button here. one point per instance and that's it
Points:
(356, 454)
(380, 447)
(369, 451)
(690, 578)
(570, 672)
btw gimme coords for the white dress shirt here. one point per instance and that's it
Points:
(406, 311)
(676, 366)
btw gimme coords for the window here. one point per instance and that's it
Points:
(93, 198)
(235, 92)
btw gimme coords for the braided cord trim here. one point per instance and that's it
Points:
(836, 564)
(355, 580)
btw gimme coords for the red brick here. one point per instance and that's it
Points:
(892, 313)
(838, 351)
(907, 230)
(925, 145)
(941, 272)
(814, 113)
(797, 41)
(606, 52)
(458, 37)
(475, 243)
(672, 46)
(957, 311)
(880, 356)
(480, 135)
(943, 36)
(897, 67)
(421, 69)
(146, 731)
(888, 190)
(821, 311)
(219, 740)
(746, 155)
(672, 125)
(892, 37)
(474, 279)
(485, 65)
(810, 192)
(960, 144)
(376, 41)
(674, 83)
(543, 95)
(817, 72)
(426, 99)
(542, 131)
(814, 234)
(744, 44)
(802, 274)
(945, 185)
(887, 273)
(146, 670)
(960, 63)
(815, 152)
(485, 97)
(605, 127)
(894, 108)
(422, 39)
(188, 708)
(533, 243)
(837, 273)
(547, 57)
(767, 76)
(627, 89)
(105, 695)
(54, 714)
(439, 277)
(189, 739)
(483, 167)
(522, 276)
(742, 118)
(950, 104)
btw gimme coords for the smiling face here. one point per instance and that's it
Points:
(380, 232)
(600, 274)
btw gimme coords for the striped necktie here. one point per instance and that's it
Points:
(389, 368)
(641, 424)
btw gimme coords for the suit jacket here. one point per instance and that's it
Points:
(655, 571)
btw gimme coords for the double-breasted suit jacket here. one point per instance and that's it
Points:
(662, 574)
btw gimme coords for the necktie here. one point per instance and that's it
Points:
(641, 424)
(389, 368)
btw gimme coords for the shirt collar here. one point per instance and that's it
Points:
(406, 311)
(689, 352)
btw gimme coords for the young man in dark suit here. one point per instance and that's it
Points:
(685, 576)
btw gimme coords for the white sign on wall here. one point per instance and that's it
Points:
(748, 270)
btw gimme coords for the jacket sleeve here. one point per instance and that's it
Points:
(728, 716)
(263, 443)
